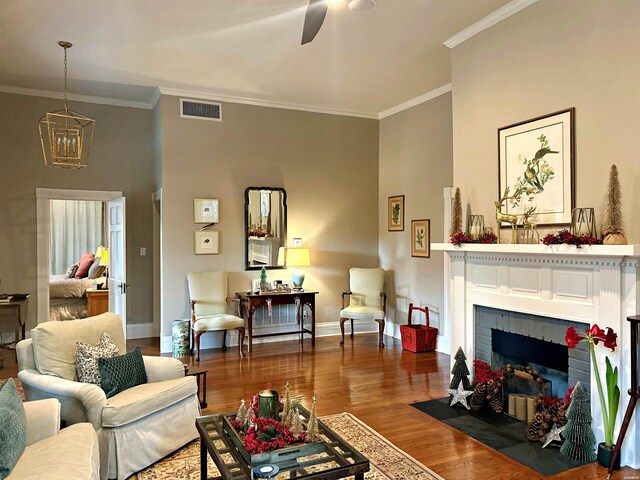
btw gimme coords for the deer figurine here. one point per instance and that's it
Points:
(506, 217)
(530, 227)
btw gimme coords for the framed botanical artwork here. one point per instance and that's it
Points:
(205, 210)
(421, 238)
(537, 165)
(206, 242)
(396, 213)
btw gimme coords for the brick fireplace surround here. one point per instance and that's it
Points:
(597, 284)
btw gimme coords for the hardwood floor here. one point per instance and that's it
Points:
(376, 385)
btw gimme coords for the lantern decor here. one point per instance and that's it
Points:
(583, 222)
(476, 226)
(66, 135)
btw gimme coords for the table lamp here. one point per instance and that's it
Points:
(104, 262)
(297, 257)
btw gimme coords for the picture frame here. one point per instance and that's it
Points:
(536, 160)
(421, 238)
(206, 210)
(395, 215)
(206, 242)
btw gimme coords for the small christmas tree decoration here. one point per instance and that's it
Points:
(312, 423)
(456, 214)
(553, 435)
(296, 422)
(263, 279)
(459, 395)
(579, 438)
(460, 371)
(612, 227)
(286, 404)
(241, 415)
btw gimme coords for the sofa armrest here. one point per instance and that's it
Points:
(71, 395)
(162, 368)
(43, 419)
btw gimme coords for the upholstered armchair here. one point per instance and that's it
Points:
(135, 427)
(209, 309)
(367, 301)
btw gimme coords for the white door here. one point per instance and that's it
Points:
(117, 260)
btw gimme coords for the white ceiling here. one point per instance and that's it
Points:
(363, 62)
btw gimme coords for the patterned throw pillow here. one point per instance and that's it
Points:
(87, 358)
(13, 427)
(71, 271)
(120, 373)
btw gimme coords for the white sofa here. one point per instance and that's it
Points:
(54, 454)
(136, 427)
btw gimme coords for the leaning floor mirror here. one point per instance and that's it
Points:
(265, 220)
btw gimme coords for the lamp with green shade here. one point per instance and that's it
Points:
(297, 257)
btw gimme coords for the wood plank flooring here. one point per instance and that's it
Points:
(376, 385)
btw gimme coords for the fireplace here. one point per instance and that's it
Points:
(537, 291)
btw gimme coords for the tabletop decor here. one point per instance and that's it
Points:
(565, 236)
(612, 228)
(459, 238)
(456, 214)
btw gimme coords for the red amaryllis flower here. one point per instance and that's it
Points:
(596, 333)
(572, 338)
(610, 339)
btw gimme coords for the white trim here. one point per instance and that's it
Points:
(494, 17)
(157, 95)
(425, 97)
(142, 330)
(174, 92)
(116, 102)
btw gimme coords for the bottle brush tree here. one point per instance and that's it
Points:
(579, 439)
(456, 214)
(612, 226)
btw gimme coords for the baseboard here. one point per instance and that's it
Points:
(142, 330)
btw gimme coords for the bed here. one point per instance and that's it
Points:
(68, 296)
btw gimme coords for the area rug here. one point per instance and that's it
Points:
(387, 461)
(500, 432)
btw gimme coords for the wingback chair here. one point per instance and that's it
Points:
(135, 427)
(367, 301)
(209, 307)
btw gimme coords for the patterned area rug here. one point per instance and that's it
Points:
(388, 462)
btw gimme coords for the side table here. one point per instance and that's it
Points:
(201, 381)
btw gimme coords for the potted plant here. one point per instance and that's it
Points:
(609, 406)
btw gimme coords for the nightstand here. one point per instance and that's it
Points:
(97, 302)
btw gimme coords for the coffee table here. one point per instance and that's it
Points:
(339, 459)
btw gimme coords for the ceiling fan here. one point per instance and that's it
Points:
(317, 11)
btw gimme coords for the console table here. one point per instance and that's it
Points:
(251, 302)
(15, 308)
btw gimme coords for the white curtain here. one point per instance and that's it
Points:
(76, 227)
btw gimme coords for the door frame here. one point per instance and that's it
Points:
(43, 235)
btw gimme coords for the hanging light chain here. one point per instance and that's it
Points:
(65, 79)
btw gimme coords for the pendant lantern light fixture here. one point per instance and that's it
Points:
(66, 135)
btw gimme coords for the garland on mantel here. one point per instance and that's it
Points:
(566, 237)
(459, 238)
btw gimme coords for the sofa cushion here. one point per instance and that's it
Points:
(54, 343)
(72, 453)
(87, 358)
(142, 400)
(121, 372)
(13, 427)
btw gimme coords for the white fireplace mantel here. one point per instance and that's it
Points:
(591, 284)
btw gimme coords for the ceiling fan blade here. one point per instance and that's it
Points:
(313, 19)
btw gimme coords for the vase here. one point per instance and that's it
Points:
(605, 454)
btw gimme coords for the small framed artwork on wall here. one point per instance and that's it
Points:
(206, 242)
(396, 213)
(421, 238)
(205, 210)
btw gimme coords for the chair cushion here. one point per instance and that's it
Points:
(87, 358)
(13, 427)
(217, 322)
(122, 372)
(362, 313)
(209, 290)
(366, 285)
(54, 343)
(143, 400)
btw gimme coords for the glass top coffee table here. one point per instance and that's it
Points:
(338, 460)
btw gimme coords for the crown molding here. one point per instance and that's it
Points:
(175, 92)
(116, 102)
(494, 17)
(157, 94)
(425, 97)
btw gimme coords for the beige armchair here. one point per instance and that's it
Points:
(367, 301)
(136, 427)
(209, 309)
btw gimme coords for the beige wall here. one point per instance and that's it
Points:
(120, 160)
(415, 161)
(328, 165)
(551, 56)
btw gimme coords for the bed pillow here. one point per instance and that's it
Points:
(13, 427)
(122, 372)
(87, 358)
(71, 271)
(84, 264)
(96, 270)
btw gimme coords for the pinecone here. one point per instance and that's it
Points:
(496, 402)
(478, 396)
(534, 430)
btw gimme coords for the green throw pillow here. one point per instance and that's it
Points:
(122, 372)
(13, 427)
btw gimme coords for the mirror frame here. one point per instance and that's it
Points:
(247, 266)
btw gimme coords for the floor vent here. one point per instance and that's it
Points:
(200, 110)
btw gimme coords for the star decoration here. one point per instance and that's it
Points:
(460, 396)
(553, 435)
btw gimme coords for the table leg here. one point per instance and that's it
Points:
(250, 325)
(203, 461)
(312, 305)
(203, 404)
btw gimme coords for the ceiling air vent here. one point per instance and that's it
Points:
(200, 110)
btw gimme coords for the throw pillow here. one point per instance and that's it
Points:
(96, 270)
(86, 260)
(87, 358)
(71, 271)
(13, 427)
(122, 372)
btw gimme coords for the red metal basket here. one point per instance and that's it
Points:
(418, 338)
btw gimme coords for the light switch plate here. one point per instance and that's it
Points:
(143, 251)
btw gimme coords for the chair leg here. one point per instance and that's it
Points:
(380, 332)
(351, 328)
(197, 336)
(224, 340)
(240, 340)
(342, 320)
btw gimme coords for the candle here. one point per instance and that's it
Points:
(268, 404)
(531, 409)
(521, 407)
(512, 404)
